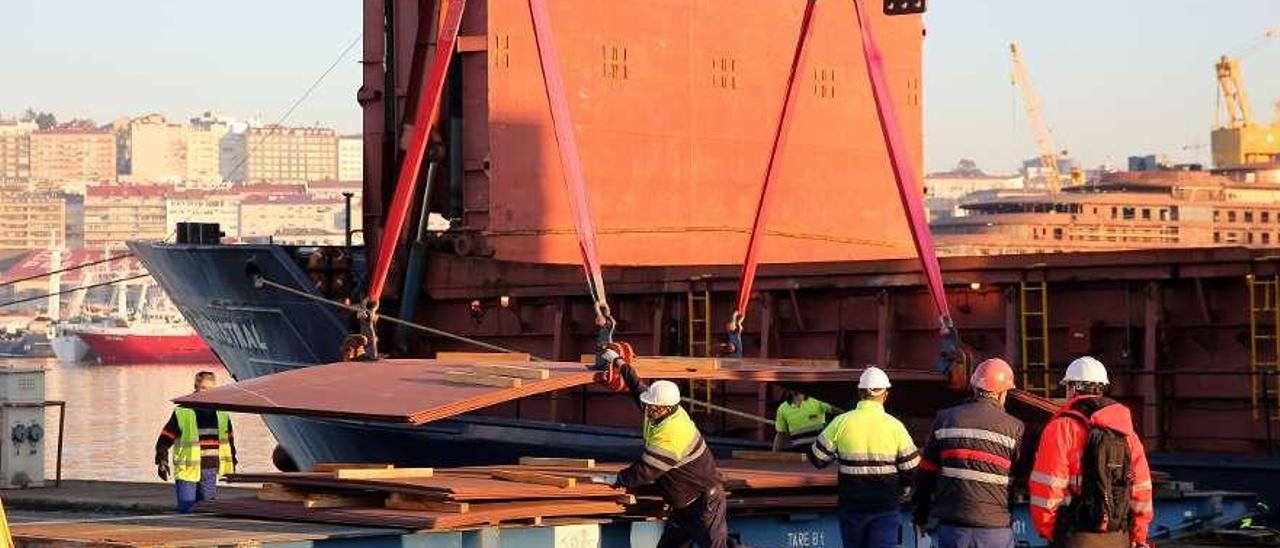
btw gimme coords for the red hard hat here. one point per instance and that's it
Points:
(993, 375)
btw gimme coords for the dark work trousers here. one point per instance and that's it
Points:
(869, 529)
(701, 523)
(190, 492)
(1118, 539)
(955, 536)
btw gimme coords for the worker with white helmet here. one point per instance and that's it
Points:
(1090, 485)
(677, 460)
(877, 462)
(964, 485)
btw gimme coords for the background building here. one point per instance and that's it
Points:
(202, 206)
(157, 150)
(15, 153)
(945, 191)
(32, 221)
(73, 152)
(284, 154)
(114, 214)
(266, 215)
(351, 158)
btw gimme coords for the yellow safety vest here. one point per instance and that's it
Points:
(675, 437)
(868, 442)
(804, 420)
(187, 451)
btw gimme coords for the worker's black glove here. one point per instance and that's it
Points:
(162, 469)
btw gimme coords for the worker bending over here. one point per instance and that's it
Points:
(798, 421)
(877, 462)
(968, 465)
(677, 461)
(203, 449)
(1090, 485)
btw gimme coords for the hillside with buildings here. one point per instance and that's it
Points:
(85, 185)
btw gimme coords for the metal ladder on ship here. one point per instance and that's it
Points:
(1264, 345)
(1033, 312)
(699, 330)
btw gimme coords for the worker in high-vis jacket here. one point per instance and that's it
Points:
(964, 487)
(798, 421)
(203, 449)
(677, 461)
(1090, 485)
(877, 464)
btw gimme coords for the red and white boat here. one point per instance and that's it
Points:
(152, 340)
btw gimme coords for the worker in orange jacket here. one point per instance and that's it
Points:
(1090, 485)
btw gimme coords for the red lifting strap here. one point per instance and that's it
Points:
(567, 143)
(423, 120)
(904, 172)
(771, 172)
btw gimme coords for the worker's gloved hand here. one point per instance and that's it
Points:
(163, 471)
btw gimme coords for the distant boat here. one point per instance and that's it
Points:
(68, 347)
(33, 341)
(153, 339)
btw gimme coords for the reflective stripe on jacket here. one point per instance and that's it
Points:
(1056, 476)
(967, 465)
(676, 459)
(877, 457)
(190, 448)
(802, 422)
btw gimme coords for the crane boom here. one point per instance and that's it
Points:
(1040, 131)
(1234, 97)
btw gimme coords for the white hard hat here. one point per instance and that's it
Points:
(664, 393)
(1086, 369)
(873, 378)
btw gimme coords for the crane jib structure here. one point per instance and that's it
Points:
(1039, 129)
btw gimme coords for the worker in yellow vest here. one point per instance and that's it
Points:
(877, 465)
(677, 461)
(799, 420)
(203, 449)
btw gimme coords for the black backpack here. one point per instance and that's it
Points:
(1103, 505)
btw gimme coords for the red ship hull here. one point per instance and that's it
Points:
(141, 348)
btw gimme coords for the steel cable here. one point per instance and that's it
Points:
(260, 281)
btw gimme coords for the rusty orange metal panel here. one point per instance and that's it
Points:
(674, 104)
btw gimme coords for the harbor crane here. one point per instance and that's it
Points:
(1039, 129)
(1237, 138)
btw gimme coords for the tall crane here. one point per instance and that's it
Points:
(1039, 130)
(1234, 99)
(1238, 139)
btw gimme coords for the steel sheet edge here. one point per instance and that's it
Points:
(255, 334)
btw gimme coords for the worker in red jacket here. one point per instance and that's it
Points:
(1090, 485)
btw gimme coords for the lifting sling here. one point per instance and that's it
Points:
(770, 175)
(905, 177)
(424, 119)
(576, 188)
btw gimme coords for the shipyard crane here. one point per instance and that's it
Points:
(1233, 98)
(1237, 138)
(1039, 130)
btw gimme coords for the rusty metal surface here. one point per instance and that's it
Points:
(179, 531)
(1172, 325)
(416, 391)
(673, 104)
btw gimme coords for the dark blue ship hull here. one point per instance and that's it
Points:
(256, 332)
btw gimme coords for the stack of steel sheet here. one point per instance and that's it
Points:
(460, 497)
(422, 391)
